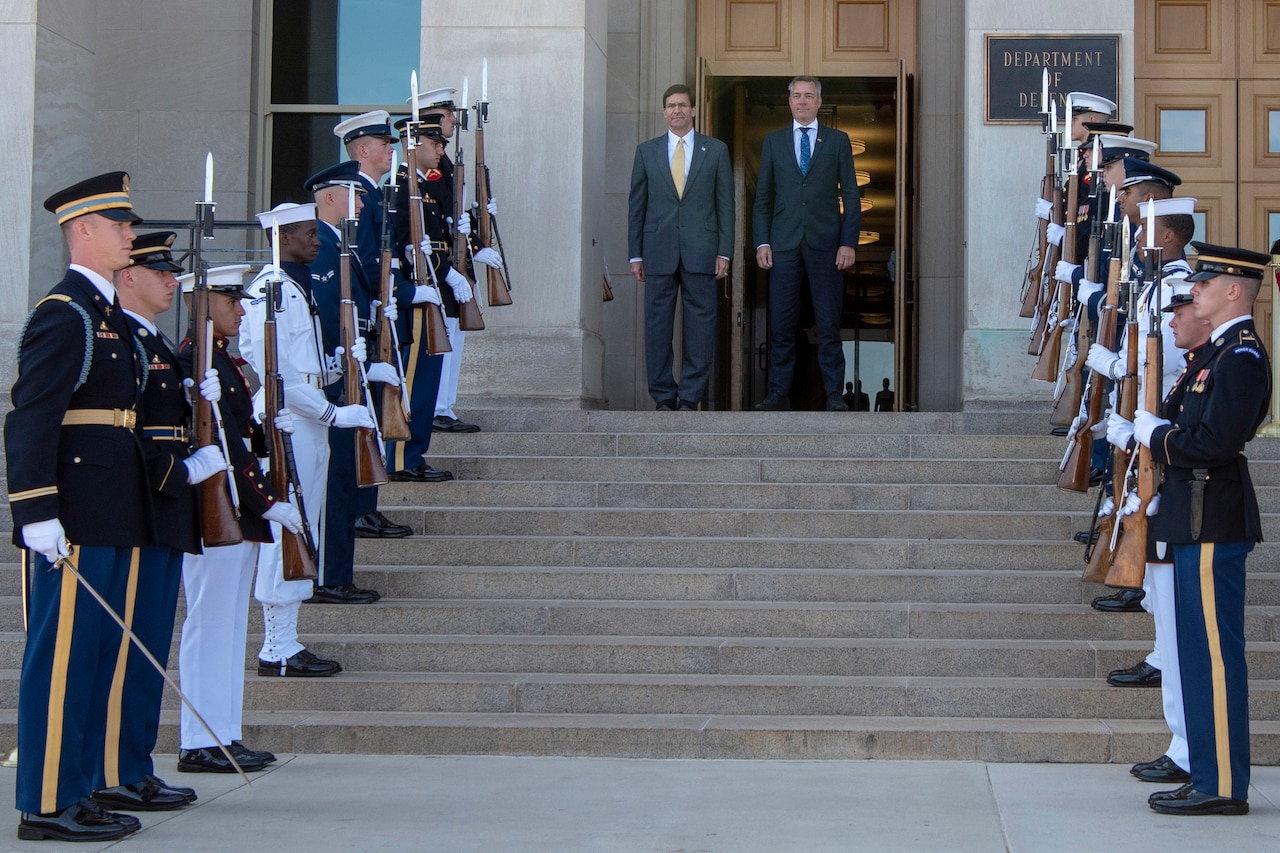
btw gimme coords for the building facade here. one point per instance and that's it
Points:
(573, 86)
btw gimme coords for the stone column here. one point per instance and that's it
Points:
(545, 147)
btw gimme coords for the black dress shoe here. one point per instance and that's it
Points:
(1163, 769)
(375, 525)
(242, 752)
(665, 406)
(189, 793)
(1176, 794)
(149, 795)
(1086, 537)
(1059, 431)
(1120, 601)
(444, 423)
(421, 474)
(686, 406)
(302, 665)
(836, 403)
(774, 403)
(348, 593)
(1096, 476)
(209, 759)
(1141, 674)
(1189, 801)
(82, 821)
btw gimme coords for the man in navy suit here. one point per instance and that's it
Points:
(806, 175)
(680, 236)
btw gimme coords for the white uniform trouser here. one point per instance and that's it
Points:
(211, 653)
(280, 598)
(1158, 585)
(448, 393)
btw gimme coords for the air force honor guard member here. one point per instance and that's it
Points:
(78, 490)
(1209, 515)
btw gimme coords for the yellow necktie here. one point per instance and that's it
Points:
(677, 167)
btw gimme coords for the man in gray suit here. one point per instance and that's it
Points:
(680, 236)
(806, 173)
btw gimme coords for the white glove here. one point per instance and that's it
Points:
(1145, 423)
(459, 284)
(1104, 361)
(46, 538)
(492, 207)
(358, 349)
(211, 386)
(333, 363)
(1099, 430)
(286, 515)
(1153, 507)
(1064, 270)
(1054, 233)
(425, 246)
(389, 310)
(348, 417)
(1131, 504)
(1108, 507)
(1087, 290)
(204, 463)
(284, 421)
(1044, 209)
(381, 371)
(464, 227)
(425, 293)
(1076, 423)
(1119, 431)
(489, 258)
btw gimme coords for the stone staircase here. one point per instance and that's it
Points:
(779, 585)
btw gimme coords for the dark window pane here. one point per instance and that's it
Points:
(301, 145)
(304, 52)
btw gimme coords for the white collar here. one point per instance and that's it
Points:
(1221, 330)
(795, 125)
(688, 138)
(106, 288)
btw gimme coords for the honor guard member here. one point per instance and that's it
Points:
(1208, 514)
(1086, 109)
(126, 779)
(407, 460)
(332, 188)
(216, 582)
(305, 369)
(368, 140)
(78, 490)
(437, 108)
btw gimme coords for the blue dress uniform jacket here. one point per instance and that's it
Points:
(436, 191)
(369, 249)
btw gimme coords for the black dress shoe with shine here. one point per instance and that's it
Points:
(1189, 801)
(1096, 476)
(346, 594)
(1163, 769)
(1060, 431)
(243, 753)
(774, 403)
(375, 525)
(209, 759)
(301, 665)
(149, 795)
(1120, 601)
(836, 403)
(421, 474)
(444, 423)
(84, 820)
(1086, 537)
(1141, 674)
(665, 406)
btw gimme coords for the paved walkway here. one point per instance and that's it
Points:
(317, 803)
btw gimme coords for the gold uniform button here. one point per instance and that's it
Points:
(113, 355)
(77, 459)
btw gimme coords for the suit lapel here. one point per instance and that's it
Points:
(699, 153)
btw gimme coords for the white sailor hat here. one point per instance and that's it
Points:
(228, 280)
(1114, 147)
(1168, 206)
(286, 214)
(373, 123)
(1087, 102)
(434, 99)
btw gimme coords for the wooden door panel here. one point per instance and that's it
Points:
(757, 37)
(1216, 200)
(1185, 38)
(1259, 134)
(861, 38)
(1208, 104)
(1259, 39)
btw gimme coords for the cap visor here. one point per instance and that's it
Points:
(164, 266)
(120, 214)
(1203, 275)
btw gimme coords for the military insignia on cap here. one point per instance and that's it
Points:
(106, 195)
(1214, 260)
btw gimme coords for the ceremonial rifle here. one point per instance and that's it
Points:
(469, 317)
(219, 501)
(498, 281)
(1050, 254)
(1046, 368)
(1034, 276)
(423, 273)
(299, 549)
(395, 407)
(371, 470)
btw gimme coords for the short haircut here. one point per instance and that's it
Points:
(1250, 286)
(1155, 189)
(1183, 226)
(805, 78)
(678, 89)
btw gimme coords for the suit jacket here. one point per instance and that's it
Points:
(792, 208)
(91, 478)
(666, 229)
(1215, 408)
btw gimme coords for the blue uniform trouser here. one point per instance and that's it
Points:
(1209, 587)
(133, 703)
(826, 288)
(422, 375)
(67, 668)
(342, 506)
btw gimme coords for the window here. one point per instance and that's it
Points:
(1183, 131)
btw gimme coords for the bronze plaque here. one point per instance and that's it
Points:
(1015, 68)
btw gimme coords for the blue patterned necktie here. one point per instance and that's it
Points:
(805, 151)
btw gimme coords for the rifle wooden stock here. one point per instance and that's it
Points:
(1075, 474)
(498, 291)
(395, 425)
(299, 552)
(1039, 335)
(1046, 368)
(1129, 563)
(218, 523)
(1067, 406)
(469, 317)
(437, 334)
(1031, 295)
(370, 469)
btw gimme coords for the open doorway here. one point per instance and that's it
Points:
(741, 111)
